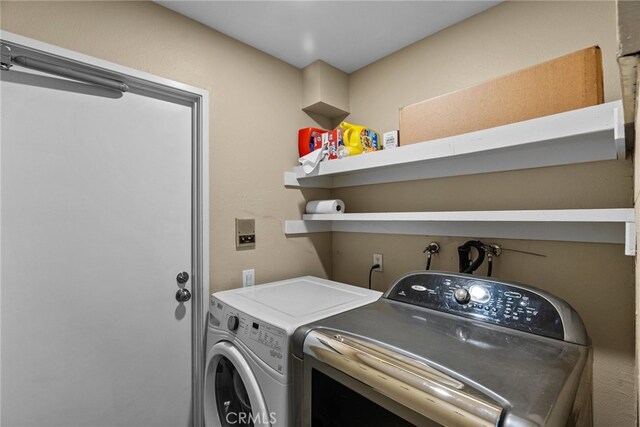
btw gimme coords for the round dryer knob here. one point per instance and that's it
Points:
(461, 295)
(232, 323)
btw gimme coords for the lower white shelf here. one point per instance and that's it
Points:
(573, 225)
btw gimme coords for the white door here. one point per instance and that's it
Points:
(95, 226)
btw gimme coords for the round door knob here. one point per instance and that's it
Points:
(233, 322)
(461, 295)
(182, 277)
(183, 295)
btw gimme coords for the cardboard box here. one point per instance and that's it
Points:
(566, 83)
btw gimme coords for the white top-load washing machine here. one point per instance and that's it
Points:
(247, 367)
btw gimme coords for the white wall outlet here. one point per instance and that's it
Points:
(377, 259)
(248, 278)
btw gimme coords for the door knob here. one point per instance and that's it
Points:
(182, 277)
(183, 295)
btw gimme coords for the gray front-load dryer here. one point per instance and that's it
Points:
(446, 349)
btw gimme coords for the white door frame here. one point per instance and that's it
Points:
(198, 99)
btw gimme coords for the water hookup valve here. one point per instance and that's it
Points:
(468, 265)
(431, 249)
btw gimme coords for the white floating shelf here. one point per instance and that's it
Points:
(574, 225)
(578, 136)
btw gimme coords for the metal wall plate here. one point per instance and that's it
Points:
(245, 234)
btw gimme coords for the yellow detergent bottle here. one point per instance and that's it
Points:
(359, 139)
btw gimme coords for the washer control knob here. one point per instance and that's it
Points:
(232, 323)
(461, 295)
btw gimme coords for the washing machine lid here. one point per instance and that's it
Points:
(290, 303)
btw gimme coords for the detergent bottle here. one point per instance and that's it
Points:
(359, 139)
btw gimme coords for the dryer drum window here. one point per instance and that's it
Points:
(334, 404)
(232, 399)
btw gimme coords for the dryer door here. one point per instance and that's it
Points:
(232, 396)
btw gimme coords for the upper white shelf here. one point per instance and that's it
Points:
(578, 136)
(574, 225)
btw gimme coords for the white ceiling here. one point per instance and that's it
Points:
(346, 34)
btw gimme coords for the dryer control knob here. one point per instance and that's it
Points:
(233, 322)
(461, 295)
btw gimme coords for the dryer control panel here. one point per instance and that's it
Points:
(485, 299)
(266, 341)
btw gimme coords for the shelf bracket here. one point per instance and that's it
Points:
(618, 132)
(303, 227)
(291, 181)
(630, 238)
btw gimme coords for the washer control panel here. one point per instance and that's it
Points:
(266, 341)
(501, 303)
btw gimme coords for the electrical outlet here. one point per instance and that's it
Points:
(377, 259)
(248, 278)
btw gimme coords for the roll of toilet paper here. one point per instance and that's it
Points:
(333, 206)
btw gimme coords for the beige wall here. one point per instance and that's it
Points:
(597, 279)
(254, 117)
